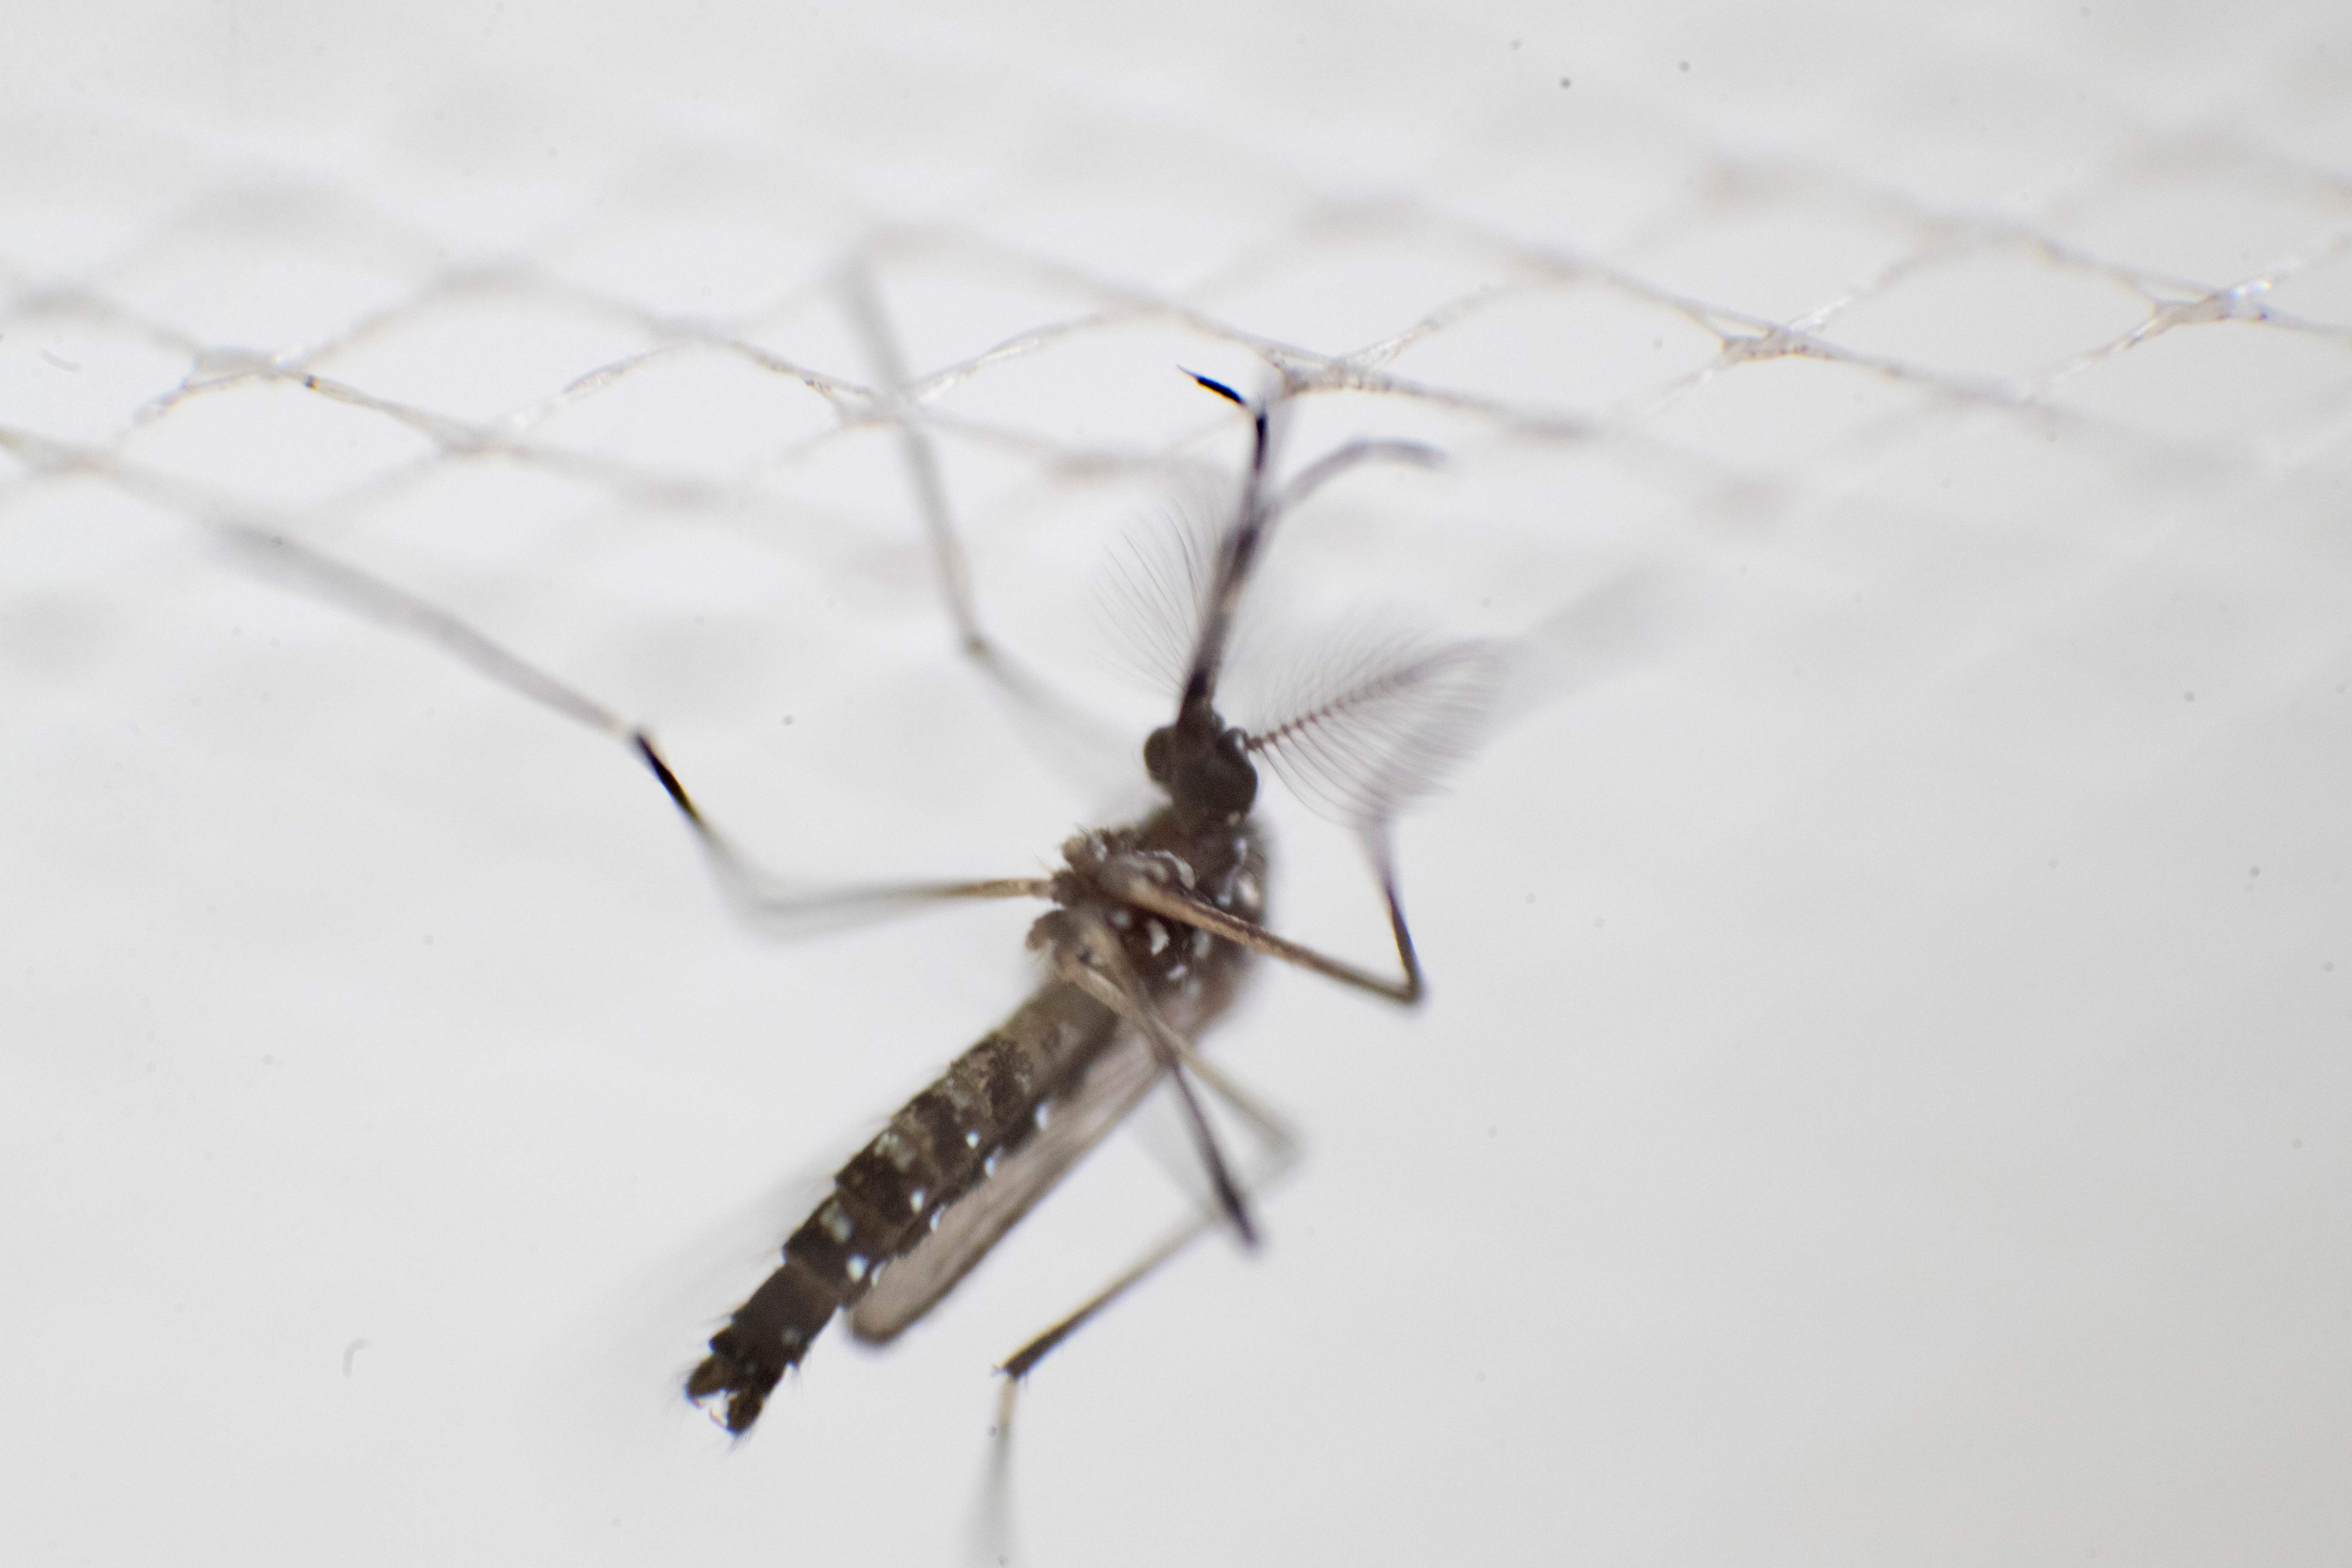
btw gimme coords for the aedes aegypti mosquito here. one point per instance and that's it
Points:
(1152, 928)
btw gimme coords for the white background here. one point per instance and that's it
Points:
(1885, 1093)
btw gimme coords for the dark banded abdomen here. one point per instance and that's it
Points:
(939, 1146)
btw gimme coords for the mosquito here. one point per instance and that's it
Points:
(1152, 928)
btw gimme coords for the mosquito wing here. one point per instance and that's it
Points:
(910, 1287)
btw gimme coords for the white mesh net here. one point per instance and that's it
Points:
(1884, 1087)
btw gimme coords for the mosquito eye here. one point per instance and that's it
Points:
(1155, 754)
(1232, 780)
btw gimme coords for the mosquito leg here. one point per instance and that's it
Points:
(758, 893)
(992, 1522)
(991, 1538)
(989, 1541)
(1075, 740)
(1281, 1144)
(865, 314)
(1139, 885)
(1103, 974)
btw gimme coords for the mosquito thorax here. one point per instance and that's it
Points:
(1203, 766)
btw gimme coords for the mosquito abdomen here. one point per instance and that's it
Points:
(940, 1145)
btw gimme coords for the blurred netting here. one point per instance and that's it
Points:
(293, 356)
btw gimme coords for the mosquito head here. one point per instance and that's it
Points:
(1203, 766)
